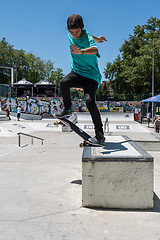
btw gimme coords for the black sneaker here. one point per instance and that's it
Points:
(63, 113)
(99, 139)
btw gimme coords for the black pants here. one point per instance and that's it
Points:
(90, 87)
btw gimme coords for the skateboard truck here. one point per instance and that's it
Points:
(56, 123)
(83, 144)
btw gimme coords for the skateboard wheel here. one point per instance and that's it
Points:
(81, 145)
(55, 123)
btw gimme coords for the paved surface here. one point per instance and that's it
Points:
(41, 187)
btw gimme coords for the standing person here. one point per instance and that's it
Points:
(148, 118)
(84, 72)
(18, 112)
(80, 105)
(8, 113)
(157, 125)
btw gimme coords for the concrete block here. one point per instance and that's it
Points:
(119, 175)
(4, 118)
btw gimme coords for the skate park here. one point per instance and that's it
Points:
(41, 185)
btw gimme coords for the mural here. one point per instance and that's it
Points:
(48, 105)
(107, 106)
(37, 106)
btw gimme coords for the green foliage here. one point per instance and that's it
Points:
(102, 93)
(76, 94)
(28, 66)
(131, 73)
(57, 75)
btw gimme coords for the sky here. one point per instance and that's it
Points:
(40, 27)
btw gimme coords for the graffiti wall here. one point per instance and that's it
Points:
(37, 106)
(47, 106)
(107, 106)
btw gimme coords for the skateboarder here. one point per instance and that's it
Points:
(84, 72)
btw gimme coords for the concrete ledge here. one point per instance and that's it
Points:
(24, 116)
(149, 145)
(4, 118)
(119, 175)
(27, 116)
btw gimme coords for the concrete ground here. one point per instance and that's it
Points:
(41, 186)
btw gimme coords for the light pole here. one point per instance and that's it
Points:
(12, 74)
(152, 84)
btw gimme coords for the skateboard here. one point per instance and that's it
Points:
(85, 136)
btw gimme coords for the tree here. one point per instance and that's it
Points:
(131, 73)
(102, 93)
(28, 66)
(76, 94)
(6, 58)
(56, 77)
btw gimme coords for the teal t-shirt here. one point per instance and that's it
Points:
(85, 65)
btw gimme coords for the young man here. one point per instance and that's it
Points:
(18, 112)
(148, 118)
(84, 72)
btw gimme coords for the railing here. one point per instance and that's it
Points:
(28, 135)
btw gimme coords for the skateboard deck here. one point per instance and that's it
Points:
(85, 136)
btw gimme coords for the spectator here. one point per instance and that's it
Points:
(80, 105)
(148, 118)
(18, 112)
(157, 125)
(8, 113)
